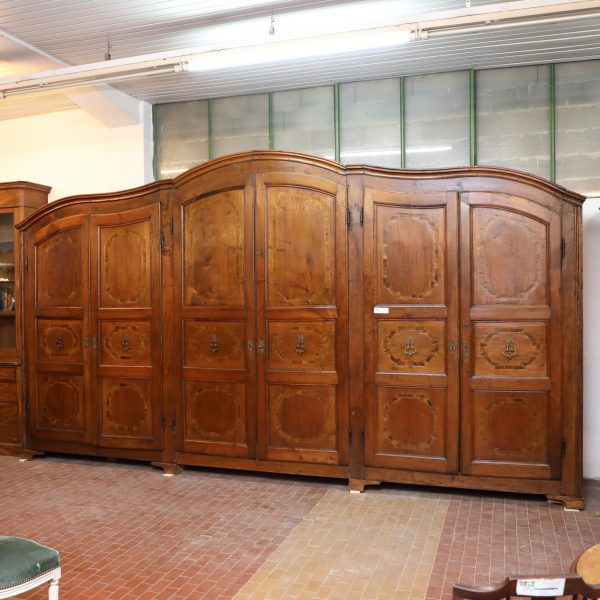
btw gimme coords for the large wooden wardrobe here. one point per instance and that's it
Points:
(278, 312)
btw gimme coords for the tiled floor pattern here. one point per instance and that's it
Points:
(378, 545)
(126, 532)
(487, 537)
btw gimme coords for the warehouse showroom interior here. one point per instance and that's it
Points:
(299, 299)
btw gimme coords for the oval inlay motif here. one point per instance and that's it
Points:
(299, 417)
(60, 404)
(411, 263)
(409, 422)
(214, 413)
(425, 345)
(528, 349)
(68, 337)
(521, 274)
(126, 407)
(125, 281)
(506, 427)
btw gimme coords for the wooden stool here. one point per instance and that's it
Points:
(587, 565)
(25, 564)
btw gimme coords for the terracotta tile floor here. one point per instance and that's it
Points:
(127, 532)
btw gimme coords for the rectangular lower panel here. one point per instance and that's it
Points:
(215, 418)
(510, 434)
(409, 429)
(128, 417)
(302, 423)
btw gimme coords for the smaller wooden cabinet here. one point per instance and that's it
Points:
(17, 201)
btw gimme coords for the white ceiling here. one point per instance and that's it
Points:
(37, 35)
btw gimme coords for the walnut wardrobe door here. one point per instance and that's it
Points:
(411, 329)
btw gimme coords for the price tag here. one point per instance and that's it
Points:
(381, 310)
(540, 587)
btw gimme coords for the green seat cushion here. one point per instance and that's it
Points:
(22, 560)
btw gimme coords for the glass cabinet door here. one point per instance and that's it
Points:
(7, 282)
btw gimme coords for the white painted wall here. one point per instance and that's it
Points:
(591, 338)
(75, 154)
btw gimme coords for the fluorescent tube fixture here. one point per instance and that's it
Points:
(299, 48)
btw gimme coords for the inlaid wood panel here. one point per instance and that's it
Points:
(60, 405)
(213, 250)
(411, 346)
(302, 417)
(214, 345)
(511, 349)
(301, 271)
(511, 345)
(59, 340)
(9, 433)
(125, 343)
(301, 346)
(411, 256)
(300, 268)
(8, 412)
(510, 263)
(126, 327)
(125, 283)
(411, 310)
(411, 422)
(215, 413)
(126, 408)
(8, 392)
(511, 427)
(65, 287)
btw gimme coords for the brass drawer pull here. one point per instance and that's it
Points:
(125, 345)
(410, 349)
(510, 351)
(59, 342)
(300, 347)
(213, 346)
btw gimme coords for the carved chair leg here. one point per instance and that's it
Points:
(53, 590)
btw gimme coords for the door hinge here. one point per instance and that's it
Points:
(362, 435)
(350, 436)
(349, 218)
(173, 427)
(171, 226)
(563, 248)
(26, 264)
(362, 216)
(563, 447)
(27, 410)
(162, 239)
(164, 422)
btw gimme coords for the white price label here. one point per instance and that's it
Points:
(381, 310)
(541, 587)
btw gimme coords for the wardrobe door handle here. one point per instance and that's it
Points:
(300, 347)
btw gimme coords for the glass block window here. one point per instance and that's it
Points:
(303, 121)
(180, 137)
(578, 126)
(437, 120)
(240, 123)
(370, 123)
(513, 118)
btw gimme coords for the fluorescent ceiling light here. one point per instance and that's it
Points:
(299, 48)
